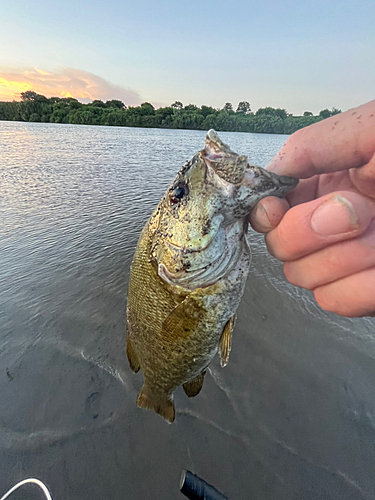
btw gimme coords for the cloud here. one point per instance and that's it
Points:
(68, 82)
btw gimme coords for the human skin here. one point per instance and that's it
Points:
(324, 231)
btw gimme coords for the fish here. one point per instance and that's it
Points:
(189, 271)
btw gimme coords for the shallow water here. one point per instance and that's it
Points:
(292, 415)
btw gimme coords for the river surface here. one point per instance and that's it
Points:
(291, 417)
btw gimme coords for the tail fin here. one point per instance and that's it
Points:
(162, 404)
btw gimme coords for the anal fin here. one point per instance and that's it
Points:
(193, 387)
(225, 343)
(132, 357)
(161, 404)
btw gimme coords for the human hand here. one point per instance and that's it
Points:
(324, 231)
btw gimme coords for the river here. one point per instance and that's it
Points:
(291, 417)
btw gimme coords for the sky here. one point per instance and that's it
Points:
(301, 56)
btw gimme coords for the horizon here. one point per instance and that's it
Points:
(291, 56)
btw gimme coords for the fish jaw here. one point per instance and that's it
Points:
(227, 164)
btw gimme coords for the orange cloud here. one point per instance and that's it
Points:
(69, 82)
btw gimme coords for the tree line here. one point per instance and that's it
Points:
(35, 107)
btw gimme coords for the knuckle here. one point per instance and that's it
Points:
(296, 137)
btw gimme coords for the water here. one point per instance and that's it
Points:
(292, 415)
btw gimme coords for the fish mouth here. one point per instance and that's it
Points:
(226, 163)
(287, 183)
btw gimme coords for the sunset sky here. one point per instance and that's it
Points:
(290, 54)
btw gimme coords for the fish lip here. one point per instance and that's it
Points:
(262, 180)
(290, 182)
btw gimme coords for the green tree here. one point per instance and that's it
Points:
(34, 118)
(114, 103)
(98, 103)
(33, 104)
(228, 107)
(268, 124)
(207, 110)
(147, 109)
(226, 121)
(210, 122)
(36, 107)
(177, 105)
(63, 110)
(191, 107)
(164, 117)
(325, 113)
(9, 111)
(269, 111)
(243, 107)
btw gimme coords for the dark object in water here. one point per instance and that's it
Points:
(194, 488)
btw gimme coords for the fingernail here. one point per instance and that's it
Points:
(262, 217)
(335, 216)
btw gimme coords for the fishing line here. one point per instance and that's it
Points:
(25, 481)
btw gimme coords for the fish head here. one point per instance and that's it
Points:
(211, 194)
(240, 186)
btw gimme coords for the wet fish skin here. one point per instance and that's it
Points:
(189, 272)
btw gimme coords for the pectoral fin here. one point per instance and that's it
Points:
(132, 357)
(193, 387)
(183, 320)
(225, 344)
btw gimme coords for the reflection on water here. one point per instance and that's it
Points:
(292, 416)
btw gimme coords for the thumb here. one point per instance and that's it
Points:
(268, 213)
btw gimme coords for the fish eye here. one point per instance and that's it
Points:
(178, 193)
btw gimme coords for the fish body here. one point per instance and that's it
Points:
(189, 272)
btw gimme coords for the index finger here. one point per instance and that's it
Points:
(344, 141)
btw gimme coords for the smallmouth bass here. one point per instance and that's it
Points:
(189, 271)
